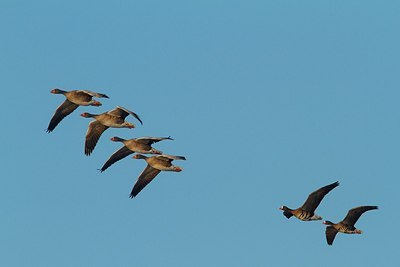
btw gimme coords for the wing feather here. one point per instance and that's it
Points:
(330, 234)
(315, 198)
(151, 140)
(95, 130)
(148, 174)
(118, 155)
(94, 94)
(354, 214)
(123, 113)
(66, 108)
(170, 157)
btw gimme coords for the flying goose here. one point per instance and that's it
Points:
(155, 165)
(139, 145)
(306, 212)
(347, 225)
(74, 99)
(114, 118)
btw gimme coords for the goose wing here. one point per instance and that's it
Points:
(315, 198)
(170, 157)
(148, 174)
(330, 234)
(66, 108)
(123, 113)
(94, 93)
(152, 140)
(354, 214)
(118, 155)
(95, 130)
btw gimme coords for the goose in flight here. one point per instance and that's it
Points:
(114, 118)
(73, 100)
(306, 211)
(347, 225)
(155, 165)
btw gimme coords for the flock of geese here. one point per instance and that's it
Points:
(115, 119)
(306, 213)
(163, 162)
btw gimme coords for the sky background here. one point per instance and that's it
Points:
(268, 101)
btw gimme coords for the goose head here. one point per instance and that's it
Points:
(116, 139)
(139, 156)
(177, 169)
(127, 125)
(95, 103)
(284, 208)
(87, 115)
(57, 91)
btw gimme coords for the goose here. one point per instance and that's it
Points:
(155, 165)
(347, 225)
(114, 118)
(73, 100)
(139, 145)
(306, 211)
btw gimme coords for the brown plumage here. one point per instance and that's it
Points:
(114, 118)
(306, 211)
(155, 165)
(347, 225)
(139, 145)
(73, 100)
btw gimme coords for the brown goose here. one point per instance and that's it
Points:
(306, 212)
(114, 118)
(155, 165)
(138, 145)
(74, 99)
(347, 225)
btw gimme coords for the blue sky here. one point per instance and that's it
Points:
(268, 100)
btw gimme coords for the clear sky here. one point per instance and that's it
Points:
(268, 101)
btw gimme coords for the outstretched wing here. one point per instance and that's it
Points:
(95, 130)
(151, 140)
(170, 157)
(66, 108)
(148, 174)
(315, 198)
(354, 214)
(123, 113)
(118, 155)
(330, 234)
(94, 93)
